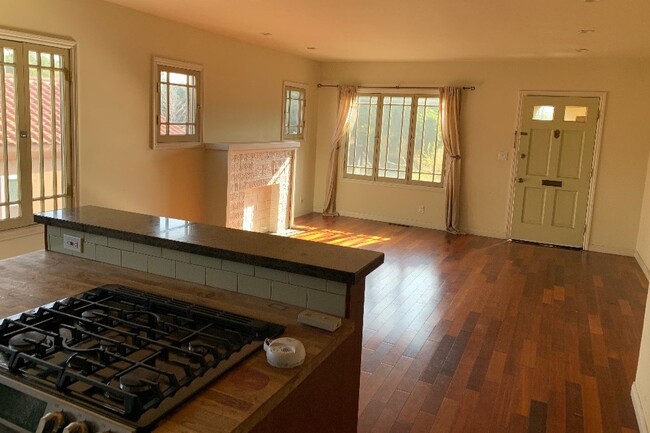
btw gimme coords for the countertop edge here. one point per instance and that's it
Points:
(257, 260)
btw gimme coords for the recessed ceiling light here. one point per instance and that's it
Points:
(582, 50)
(266, 34)
(585, 31)
(311, 48)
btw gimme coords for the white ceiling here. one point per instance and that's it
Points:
(419, 30)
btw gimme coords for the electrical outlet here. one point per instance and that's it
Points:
(72, 243)
(421, 208)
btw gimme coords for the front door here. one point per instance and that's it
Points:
(556, 146)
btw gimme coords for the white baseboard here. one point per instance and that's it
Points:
(392, 220)
(22, 232)
(638, 409)
(642, 265)
(611, 250)
(484, 233)
(417, 223)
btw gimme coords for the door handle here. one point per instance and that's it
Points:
(521, 180)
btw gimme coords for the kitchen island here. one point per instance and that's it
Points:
(239, 401)
(257, 275)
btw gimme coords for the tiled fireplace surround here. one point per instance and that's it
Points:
(259, 190)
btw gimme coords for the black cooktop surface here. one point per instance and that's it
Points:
(124, 352)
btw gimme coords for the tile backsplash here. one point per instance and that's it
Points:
(295, 289)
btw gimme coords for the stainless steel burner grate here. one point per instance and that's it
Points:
(126, 353)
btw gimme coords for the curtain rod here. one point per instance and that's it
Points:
(319, 85)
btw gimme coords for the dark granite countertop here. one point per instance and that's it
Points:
(343, 264)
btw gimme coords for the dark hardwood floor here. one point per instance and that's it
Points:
(473, 334)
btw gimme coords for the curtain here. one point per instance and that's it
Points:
(450, 122)
(345, 118)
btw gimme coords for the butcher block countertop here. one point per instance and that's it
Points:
(236, 401)
(343, 264)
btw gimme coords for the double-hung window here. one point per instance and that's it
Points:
(396, 138)
(177, 102)
(35, 139)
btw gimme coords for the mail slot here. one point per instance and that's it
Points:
(547, 182)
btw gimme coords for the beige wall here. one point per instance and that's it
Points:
(21, 241)
(243, 102)
(642, 381)
(488, 123)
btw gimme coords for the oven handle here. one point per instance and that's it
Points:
(51, 422)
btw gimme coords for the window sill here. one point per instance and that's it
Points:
(386, 184)
(292, 138)
(177, 145)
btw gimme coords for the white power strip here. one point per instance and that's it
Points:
(319, 320)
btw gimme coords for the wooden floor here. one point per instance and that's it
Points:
(473, 334)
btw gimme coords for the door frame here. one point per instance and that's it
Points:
(602, 98)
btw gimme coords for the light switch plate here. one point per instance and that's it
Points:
(72, 243)
(502, 156)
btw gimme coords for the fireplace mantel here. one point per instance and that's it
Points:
(267, 145)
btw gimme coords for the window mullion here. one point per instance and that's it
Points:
(367, 143)
(411, 139)
(378, 129)
(41, 160)
(24, 150)
(55, 125)
(169, 104)
(68, 158)
(5, 141)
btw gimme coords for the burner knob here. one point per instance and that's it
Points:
(51, 422)
(76, 427)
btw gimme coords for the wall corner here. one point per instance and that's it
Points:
(638, 409)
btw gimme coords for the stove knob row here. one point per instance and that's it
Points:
(54, 422)
(51, 422)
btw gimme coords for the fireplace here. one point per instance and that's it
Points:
(251, 185)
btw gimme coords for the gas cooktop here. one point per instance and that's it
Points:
(114, 359)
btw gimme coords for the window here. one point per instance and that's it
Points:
(177, 102)
(293, 123)
(544, 113)
(396, 138)
(35, 139)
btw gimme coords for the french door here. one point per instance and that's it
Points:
(35, 145)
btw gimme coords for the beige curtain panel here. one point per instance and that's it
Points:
(450, 122)
(346, 115)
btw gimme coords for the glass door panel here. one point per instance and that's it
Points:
(11, 206)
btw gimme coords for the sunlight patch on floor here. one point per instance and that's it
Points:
(335, 237)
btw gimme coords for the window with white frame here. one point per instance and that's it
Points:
(177, 103)
(396, 138)
(36, 161)
(293, 122)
